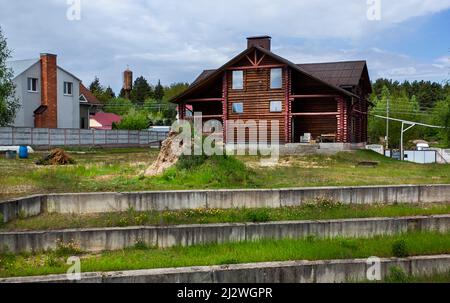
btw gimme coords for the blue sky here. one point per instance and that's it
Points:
(174, 40)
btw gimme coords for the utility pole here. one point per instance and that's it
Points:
(387, 124)
(403, 130)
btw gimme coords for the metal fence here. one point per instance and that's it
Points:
(45, 137)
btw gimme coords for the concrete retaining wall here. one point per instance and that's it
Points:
(101, 239)
(175, 200)
(333, 271)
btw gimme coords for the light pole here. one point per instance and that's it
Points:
(387, 124)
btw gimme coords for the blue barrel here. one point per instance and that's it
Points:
(23, 152)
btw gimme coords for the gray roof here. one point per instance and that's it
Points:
(19, 66)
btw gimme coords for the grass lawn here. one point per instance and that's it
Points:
(121, 170)
(310, 248)
(314, 211)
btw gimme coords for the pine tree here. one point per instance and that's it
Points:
(9, 104)
(95, 87)
(159, 91)
(141, 91)
(110, 93)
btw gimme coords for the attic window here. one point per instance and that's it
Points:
(83, 99)
(68, 88)
(32, 85)
(276, 78)
(238, 79)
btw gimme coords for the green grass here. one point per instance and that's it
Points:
(121, 170)
(316, 210)
(397, 275)
(215, 254)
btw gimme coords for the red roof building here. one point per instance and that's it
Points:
(104, 121)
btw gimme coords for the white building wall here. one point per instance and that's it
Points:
(68, 106)
(29, 101)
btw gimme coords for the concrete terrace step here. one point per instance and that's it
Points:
(101, 239)
(87, 203)
(326, 271)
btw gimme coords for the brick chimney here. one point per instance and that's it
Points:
(261, 41)
(48, 115)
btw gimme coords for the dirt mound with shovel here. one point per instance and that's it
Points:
(56, 157)
(168, 156)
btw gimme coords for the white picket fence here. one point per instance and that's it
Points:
(11, 136)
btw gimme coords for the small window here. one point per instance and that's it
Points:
(238, 79)
(276, 107)
(68, 87)
(33, 85)
(238, 108)
(276, 78)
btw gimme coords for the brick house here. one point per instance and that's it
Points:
(49, 96)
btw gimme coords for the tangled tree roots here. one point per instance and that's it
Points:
(56, 157)
(168, 156)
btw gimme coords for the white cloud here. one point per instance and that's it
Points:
(173, 40)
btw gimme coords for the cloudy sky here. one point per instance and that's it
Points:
(173, 40)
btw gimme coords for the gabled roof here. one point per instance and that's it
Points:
(20, 66)
(90, 98)
(333, 74)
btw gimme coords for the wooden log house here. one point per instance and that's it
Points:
(326, 100)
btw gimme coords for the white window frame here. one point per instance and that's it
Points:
(66, 88)
(30, 82)
(272, 70)
(233, 109)
(276, 109)
(238, 87)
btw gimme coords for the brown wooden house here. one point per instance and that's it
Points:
(326, 100)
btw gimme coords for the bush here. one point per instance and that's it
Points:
(397, 275)
(140, 245)
(258, 215)
(67, 249)
(190, 161)
(134, 120)
(400, 249)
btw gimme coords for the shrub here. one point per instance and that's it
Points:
(140, 245)
(400, 249)
(134, 120)
(123, 222)
(397, 275)
(190, 161)
(258, 215)
(67, 249)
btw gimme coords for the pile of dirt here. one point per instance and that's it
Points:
(56, 157)
(168, 156)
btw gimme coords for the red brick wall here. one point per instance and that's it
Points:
(48, 119)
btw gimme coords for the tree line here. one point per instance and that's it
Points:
(146, 106)
(418, 101)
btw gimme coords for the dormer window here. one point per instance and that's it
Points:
(238, 79)
(276, 78)
(32, 85)
(68, 88)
